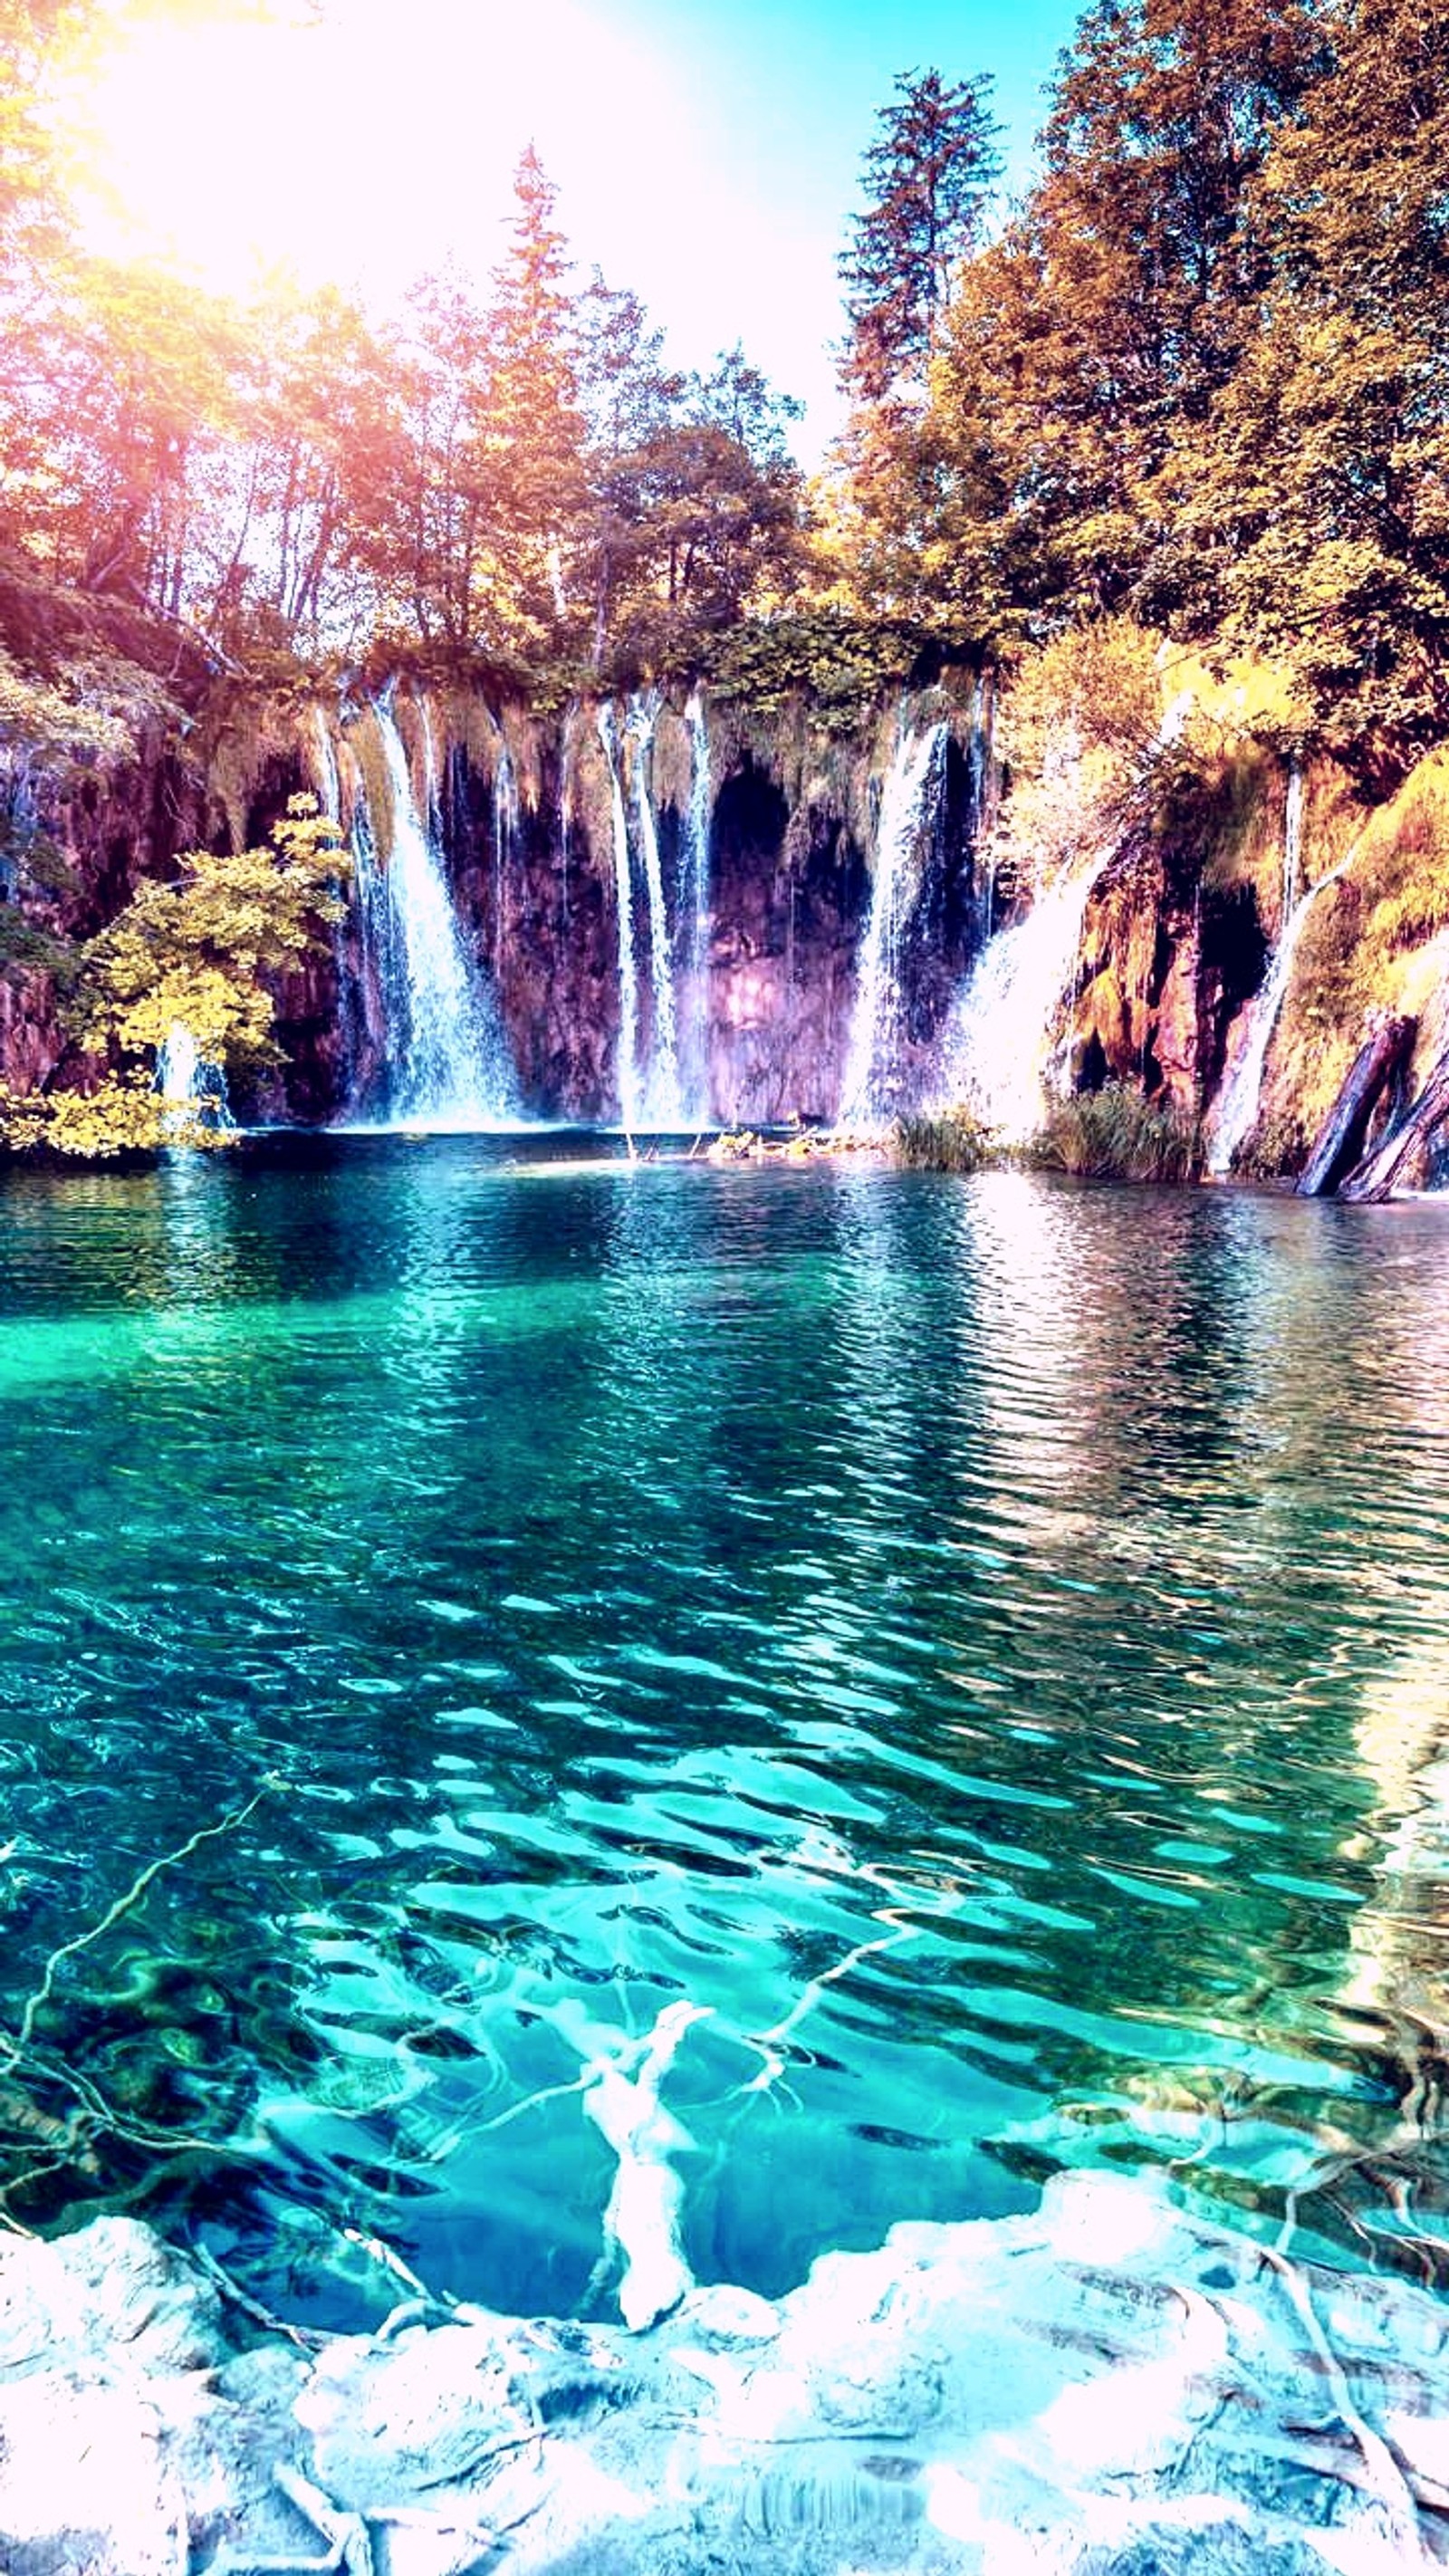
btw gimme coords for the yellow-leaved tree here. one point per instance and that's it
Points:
(198, 953)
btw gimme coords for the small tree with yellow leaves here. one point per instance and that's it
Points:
(201, 952)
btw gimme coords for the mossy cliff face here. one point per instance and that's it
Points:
(1168, 984)
(76, 835)
(1250, 929)
(767, 977)
(1239, 930)
(1374, 946)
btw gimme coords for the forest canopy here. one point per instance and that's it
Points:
(1202, 373)
(1199, 375)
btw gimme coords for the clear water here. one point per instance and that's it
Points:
(987, 1640)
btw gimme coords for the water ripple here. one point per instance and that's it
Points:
(987, 1640)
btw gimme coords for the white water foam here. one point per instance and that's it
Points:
(1000, 1055)
(446, 1067)
(909, 808)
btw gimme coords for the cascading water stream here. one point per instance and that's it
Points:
(909, 809)
(566, 814)
(505, 836)
(445, 1065)
(1000, 1054)
(329, 792)
(628, 1072)
(177, 1067)
(1242, 1098)
(1293, 838)
(694, 921)
(192, 1089)
(661, 1105)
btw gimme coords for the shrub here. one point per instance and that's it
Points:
(124, 1115)
(951, 1141)
(843, 664)
(1116, 1135)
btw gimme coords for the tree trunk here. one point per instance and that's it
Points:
(1381, 1060)
(1381, 1170)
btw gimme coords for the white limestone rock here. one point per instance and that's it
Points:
(1105, 2388)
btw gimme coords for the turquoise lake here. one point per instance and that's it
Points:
(986, 1641)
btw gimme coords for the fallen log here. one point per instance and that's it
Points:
(1380, 1061)
(1382, 1171)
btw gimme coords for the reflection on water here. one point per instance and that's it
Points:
(986, 1640)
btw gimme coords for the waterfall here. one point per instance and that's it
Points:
(1241, 1101)
(445, 1064)
(565, 817)
(177, 1065)
(329, 793)
(628, 1074)
(661, 1106)
(909, 811)
(694, 920)
(1292, 838)
(648, 1081)
(505, 834)
(192, 1089)
(1000, 1054)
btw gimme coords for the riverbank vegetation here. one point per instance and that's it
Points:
(1202, 374)
(198, 957)
(1107, 1135)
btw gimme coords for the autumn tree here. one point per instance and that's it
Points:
(29, 209)
(1077, 348)
(201, 952)
(319, 443)
(1316, 500)
(200, 949)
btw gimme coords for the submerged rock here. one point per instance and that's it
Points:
(1106, 2388)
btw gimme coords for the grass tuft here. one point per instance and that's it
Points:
(951, 1140)
(1116, 1135)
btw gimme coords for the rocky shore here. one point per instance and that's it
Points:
(1107, 2387)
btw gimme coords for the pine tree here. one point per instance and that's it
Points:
(530, 415)
(928, 176)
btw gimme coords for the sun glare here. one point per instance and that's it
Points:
(351, 142)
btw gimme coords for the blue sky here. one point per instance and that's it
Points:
(786, 98)
(707, 158)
